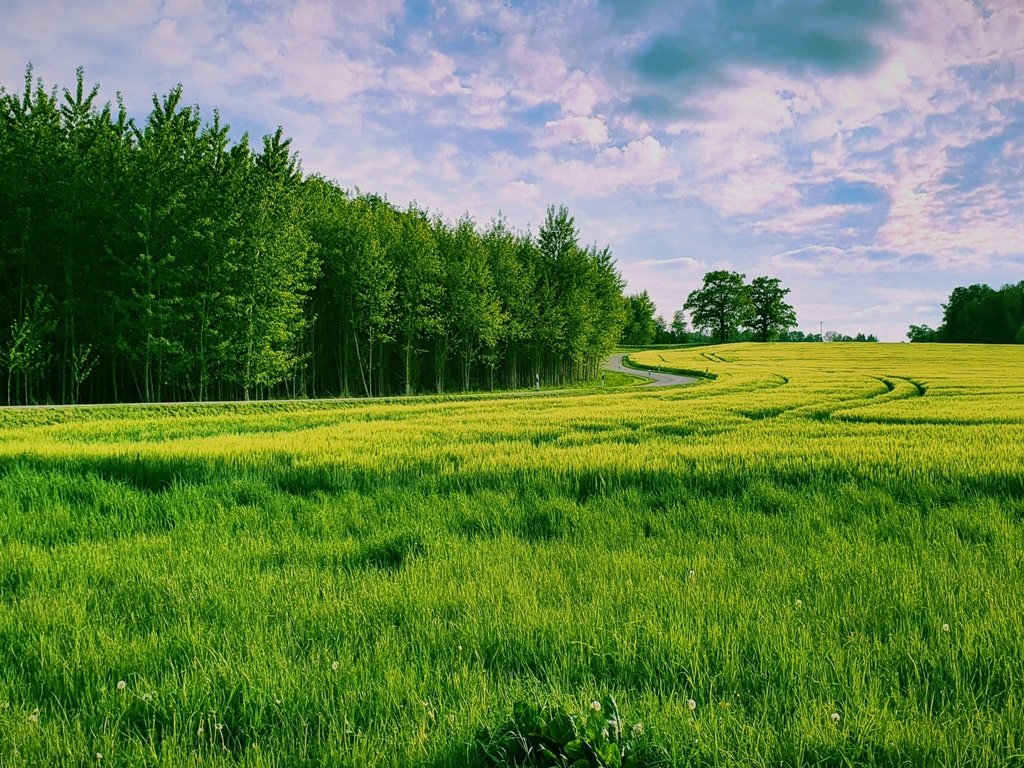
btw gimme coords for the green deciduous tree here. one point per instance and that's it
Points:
(921, 333)
(419, 289)
(28, 350)
(177, 264)
(768, 312)
(641, 327)
(721, 305)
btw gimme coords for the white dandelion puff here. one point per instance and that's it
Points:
(595, 705)
(121, 685)
(836, 717)
(691, 704)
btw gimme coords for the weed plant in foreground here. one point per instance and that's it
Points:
(813, 559)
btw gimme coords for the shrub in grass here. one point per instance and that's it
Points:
(547, 736)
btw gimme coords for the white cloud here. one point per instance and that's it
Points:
(575, 129)
(642, 163)
(535, 71)
(581, 93)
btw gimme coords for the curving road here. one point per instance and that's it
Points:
(656, 379)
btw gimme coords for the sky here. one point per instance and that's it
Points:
(870, 154)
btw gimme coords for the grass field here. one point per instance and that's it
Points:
(815, 558)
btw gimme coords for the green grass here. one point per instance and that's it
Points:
(378, 583)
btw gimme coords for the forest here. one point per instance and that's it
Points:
(978, 314)
(164, 261)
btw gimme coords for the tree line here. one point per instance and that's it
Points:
(164, 261)
(725, 308)
(978, 314)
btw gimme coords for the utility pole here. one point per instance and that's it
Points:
(821, 330)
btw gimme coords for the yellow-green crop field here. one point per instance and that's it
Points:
(814, 558)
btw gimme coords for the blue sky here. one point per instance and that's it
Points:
(870, 153)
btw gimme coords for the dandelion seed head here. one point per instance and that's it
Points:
(121, 685)
(334, 666)
(595, 705)
(945, 627)
(99, 755)
(691, 704)
(836, 717)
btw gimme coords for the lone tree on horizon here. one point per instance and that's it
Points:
(721, 305)
(770, 315)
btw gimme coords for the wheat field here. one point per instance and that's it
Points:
(811, 557)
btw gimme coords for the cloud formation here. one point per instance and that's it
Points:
(871, 154)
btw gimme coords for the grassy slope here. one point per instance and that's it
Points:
(362, 584)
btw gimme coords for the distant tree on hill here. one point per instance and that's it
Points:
(769, 315)
(922, 333)
(678, 327)
(721, 305)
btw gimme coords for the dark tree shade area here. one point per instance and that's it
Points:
(163, 261)
(978, 314)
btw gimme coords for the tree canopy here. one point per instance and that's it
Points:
(978, 314)
(721, 305)
(725, 303)
(768, 313)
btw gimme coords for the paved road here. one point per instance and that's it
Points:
(614, 363)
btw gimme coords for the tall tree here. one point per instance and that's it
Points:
(419, 285)
(273, 269)
(769, 314)
(176, 264)
(476, 317)
(721, 305)
(678, 326)
(510, 257)
(641, 326)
